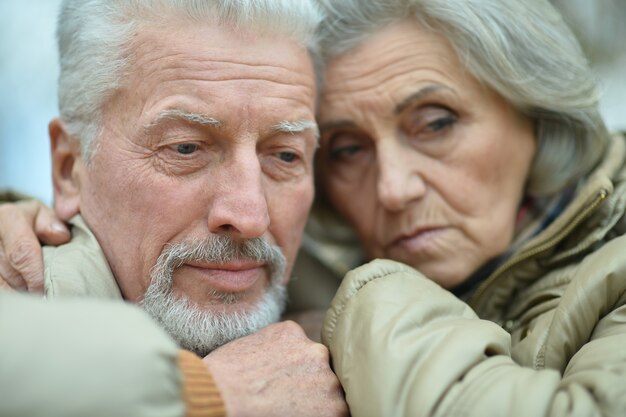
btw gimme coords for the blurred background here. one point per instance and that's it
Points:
(29, 69)
(28, 75)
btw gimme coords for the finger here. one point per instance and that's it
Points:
(320, 352)
(26, 259)
(49, 228)
(4, 286)
(22, 258)
(290, 327)
(9, 277)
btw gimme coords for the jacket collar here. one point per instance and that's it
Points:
(585, 210)
(78, 268)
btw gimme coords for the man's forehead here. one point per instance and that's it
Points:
(219, 66)
(219, 46)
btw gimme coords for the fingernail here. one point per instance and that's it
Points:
(58, 227)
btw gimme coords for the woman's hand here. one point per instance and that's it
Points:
(24, 226)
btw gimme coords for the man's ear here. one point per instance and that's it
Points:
(67, 163)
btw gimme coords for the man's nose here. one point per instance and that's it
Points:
(399, 179)
(239, 206)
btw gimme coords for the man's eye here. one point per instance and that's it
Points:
(287, 156)
(186, 148)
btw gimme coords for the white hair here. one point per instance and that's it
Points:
(94, 38)
(204, 328)
(521, 49)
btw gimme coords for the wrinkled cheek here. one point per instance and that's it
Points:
(372, 247)
(99, 201)
(344, 203)
(368, 229)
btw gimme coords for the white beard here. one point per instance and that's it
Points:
(201, 330)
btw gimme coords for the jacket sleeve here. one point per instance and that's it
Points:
(403, 346)
(10, 196)
(95, 358)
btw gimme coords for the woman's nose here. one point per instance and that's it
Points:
(399, 180)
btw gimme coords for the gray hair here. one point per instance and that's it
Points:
(94, 37)
(521, 49)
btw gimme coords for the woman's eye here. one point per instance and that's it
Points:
(428, 122)
(344, 151)
(343, 145)
(186, 148)
(441, 123)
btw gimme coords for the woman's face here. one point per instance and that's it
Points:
(426, 163)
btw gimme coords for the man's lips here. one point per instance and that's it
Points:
(230, 277)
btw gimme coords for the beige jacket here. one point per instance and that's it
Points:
(79, 268)
(84, 358)
(545, 334)
(91, 354)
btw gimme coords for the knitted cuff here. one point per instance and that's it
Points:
(201, 396)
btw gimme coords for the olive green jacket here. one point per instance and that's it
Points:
(10, 196)
(545, 334)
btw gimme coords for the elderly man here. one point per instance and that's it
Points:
(183, 159)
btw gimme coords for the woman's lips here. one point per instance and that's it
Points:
(419, 241)
(229, 278)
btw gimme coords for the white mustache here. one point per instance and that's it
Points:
(221, 249)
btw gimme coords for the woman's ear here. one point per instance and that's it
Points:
(67, 163)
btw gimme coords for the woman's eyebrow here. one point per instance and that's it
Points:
(419, 95)
(337, 124)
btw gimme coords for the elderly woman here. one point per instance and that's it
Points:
(462, 138)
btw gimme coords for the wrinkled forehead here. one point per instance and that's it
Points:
(391, 64)
(400, 46)
(210, 46)
(218, 58)
(240, 77)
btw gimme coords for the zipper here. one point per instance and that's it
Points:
(529, 253)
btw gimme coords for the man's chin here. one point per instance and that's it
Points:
(217, 307)
(223, 302)
(202, 328)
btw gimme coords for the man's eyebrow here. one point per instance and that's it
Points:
(182, 115)
(297, 126)
(419, 95)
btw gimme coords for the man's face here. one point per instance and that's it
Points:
(198, 144)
